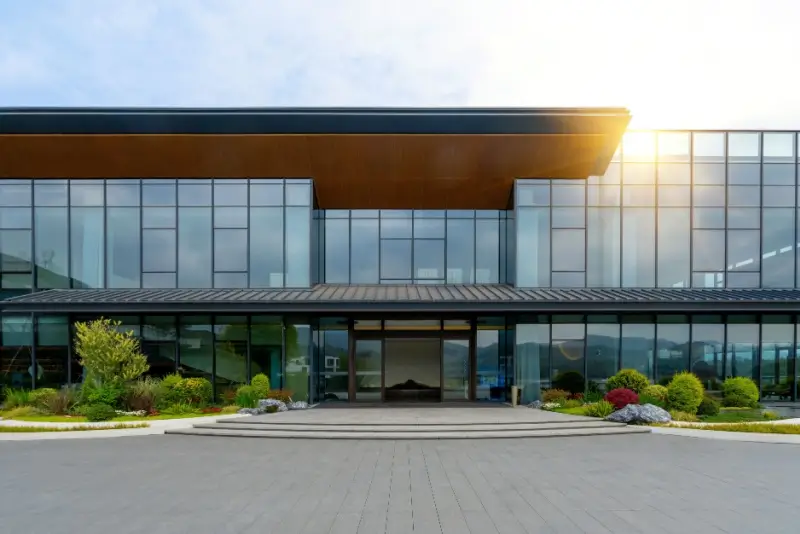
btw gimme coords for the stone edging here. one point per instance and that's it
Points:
(753, 437)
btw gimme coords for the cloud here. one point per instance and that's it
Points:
(679, 63)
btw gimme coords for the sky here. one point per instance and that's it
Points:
(711, 64)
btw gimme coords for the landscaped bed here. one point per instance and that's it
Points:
(758, 428)
(9, 429)
(120, 419)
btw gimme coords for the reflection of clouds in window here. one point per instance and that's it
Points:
(364, 251)
(194, 247)
(266, 247)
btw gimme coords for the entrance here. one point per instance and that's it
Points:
(411, 367)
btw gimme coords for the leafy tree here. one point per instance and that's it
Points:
(110, 357)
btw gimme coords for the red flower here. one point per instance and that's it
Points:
(621, 397)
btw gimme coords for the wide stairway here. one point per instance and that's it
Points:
(411, 423)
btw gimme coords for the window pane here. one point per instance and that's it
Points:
(674, 195)
(613, 174)
(230, 250)
(298, 195)
(673, 247)
(743, 195)
(673, 146)
(196, 347)
(604, 195)
(52, 245)
(86, 195)
(429, 258)
(159, 280)
(395, 258)
(743, 146)
(158, 250)
(122, 247)
(778, 146)
(15, 218)
(428, 228)
(708, 146)
(638, 195)
(158, 194)
(707, 363)
(779, 196)
(194, 246)
(777, 256)
(15, 193)
(487, 251)
(230, 218)
(230, 194)
(194, 195)
(337, 251)
(567, 351)
(158, 217)
(460, 251)
(744, 174)
(533, 247)
(778, 174)
(673, 350)
(639, 173)
(709, 174)
(15, 252)
(532, 359)
(639, 146)
(744, 280)
(603, 244)
(364, 251)
(602, 351)
(777, 359)
(638, 347)
(533, 195)
(741, 357)
(743, 250)
(49, 194)
(638, 247)
(744, 218)
(266, 194)
(709, 217)
(568, 250)
(568, 280)
(266, 247)
(568, 217)
(708, 250)
(396, 228)
(87, 247)
(708, 279)
(122, 194)
(298, 246)
(230, 280)
(674, 173)
(569, 195)
(711, 196)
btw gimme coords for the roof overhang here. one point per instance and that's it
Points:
(358, 158)
(419, 299)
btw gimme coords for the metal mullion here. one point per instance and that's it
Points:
(691, 209)
(656, 211)
(725, 266)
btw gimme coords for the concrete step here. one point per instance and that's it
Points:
(500, 427)
(366, 434)
(275, 420)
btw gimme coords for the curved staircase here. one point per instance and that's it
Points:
(411, 424)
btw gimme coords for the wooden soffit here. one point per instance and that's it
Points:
(349, 171)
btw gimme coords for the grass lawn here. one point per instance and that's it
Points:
(735, 416)
(578, 410)
(79, 428)
(759, 428)
(121, 419)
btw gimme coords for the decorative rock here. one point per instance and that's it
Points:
(537, 404)
(634, 413)
(297, 405)
(250, 411)
(263, 403)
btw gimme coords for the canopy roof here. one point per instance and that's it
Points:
(359, 158)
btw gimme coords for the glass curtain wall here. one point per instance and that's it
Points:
(674, 209)
(155, 233)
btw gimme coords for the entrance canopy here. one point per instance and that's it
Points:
(419, 299)
(359, 158)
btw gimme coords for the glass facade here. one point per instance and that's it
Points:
(673, 210)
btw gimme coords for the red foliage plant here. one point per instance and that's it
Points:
(621, 397)
(576, 396)
(211, 409)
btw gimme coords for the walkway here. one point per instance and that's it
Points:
(620, 484)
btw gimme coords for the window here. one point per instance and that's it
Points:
(708, 146)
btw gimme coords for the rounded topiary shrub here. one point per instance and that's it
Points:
(685, 392)
(655, 391)
(99, 412)
(708, 406)
(247, 396)
(571, 381)
(261, 385)
(194, 391)
(622, 397)
(555, 395)
(739, 392)
(40, 397)
(628, 379)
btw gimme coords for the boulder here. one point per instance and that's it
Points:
(637, 414)
(297, 405)
(537, 404)
(263, 403)
(250, 411)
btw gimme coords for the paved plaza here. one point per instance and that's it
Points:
(175, 484)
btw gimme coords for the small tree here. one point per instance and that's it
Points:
(109, 355)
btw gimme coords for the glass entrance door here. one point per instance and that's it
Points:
(456, 369)
(412, 370)
(368, 370)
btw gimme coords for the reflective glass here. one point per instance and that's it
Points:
(298, 247)
(266, 247)
(709, 174)
(15, 218)
(741, 358)
(230, 280)
(708, 356)
(158, 194)
(638, 195)
(569, 249)
(603, 247)
(122, 194)
(49, 193)
(672, 342)
(194, 194)
(159, 280)
(674, 195)
(708, 279)
(613, 174)
(16, 334)
(86, 194)
(460, 251)
(638, 247)
(533, 247)
(395, 258)
(744, 195)
(674, 238)
(744, 174)
(196, 349)
(569, 195)
(739, 218)
(709, 218)
(369, 369)
(364, 251)
(778, 174)
(743, 280)
(673, 146)
(194, 247)
(490, 371)
(708, 146)
(709, 196)
(603, 195)
(266, 348)
(778, 146)
(396, 228)
(638, 347)
(230, 217)
(15, 193)
(87, 247)
(777, 358)
(230, 250)
(122, 247)
(568, 217)
(158, 250)
(533, 195)
(159, 217)
(298, 195)
(266, 194)
(568, 280)
(567, 354)
(743, 146)
(743, 250)
(52, 248)
(639, 146)
(708, 250)
(602, 352)
(638, 173)
(298, 358)
(226, 194)
(487, 251)
(777, 256)
(674, 173)
(337, 251)
(778, 196)
(429, 228)
(429, 258)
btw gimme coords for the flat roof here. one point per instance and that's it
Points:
(359, 158)
(404, 298)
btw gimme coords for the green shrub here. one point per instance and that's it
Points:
(555, 395)
(99, 412)
(168, 394)
(194, 391)
(109, 354)
(655, 401)
(770, 415)
(571, 381)
(572, 403)
(247, 397)
(592, 396)
(654, 390)
(38, 397)
(179, 408)
(601, 408)
(21, 411)
(708, 406)
(63, 401)
(260, 384)
(685, 392)
(680, 416)
(143, 394)
(739, 391)
(14, 398)
(628, 379)
(108, 394)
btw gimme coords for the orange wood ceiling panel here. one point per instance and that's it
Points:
(350, 171)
